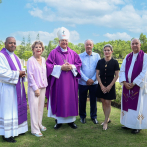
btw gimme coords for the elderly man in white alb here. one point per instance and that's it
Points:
(133, 76)
(13, 104)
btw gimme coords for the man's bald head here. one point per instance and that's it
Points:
(135, 39)
(88, 46)
(10, 44)
(8, 38)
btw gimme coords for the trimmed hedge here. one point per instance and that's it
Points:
(118, 88)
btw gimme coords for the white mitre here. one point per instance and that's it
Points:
(63, 33)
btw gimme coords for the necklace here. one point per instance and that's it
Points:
(38, 59)
(106, 63)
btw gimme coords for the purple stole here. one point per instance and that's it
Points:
(21, 99)
(130, 97)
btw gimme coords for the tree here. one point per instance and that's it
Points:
(56, 41)
(120, 47)
(143, 41)
(28, 45)
(21, 49)
(0, 1)
(49, 48)
(51, 45)
(2, 45)
(81, 47)
(26, 55)
(37, 37)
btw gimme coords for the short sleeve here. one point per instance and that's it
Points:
(116, 65)
(98, 65)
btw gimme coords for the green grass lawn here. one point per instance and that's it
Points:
(86, 135)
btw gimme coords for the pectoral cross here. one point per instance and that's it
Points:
(65, 60)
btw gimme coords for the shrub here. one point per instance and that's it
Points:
(118, 88)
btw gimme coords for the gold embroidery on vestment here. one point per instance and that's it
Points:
(135, 93)
(140, 118)
(123, 113)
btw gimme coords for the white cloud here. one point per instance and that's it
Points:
(94, 34)
(74, 36)
(74, 12)
(118, 35)
(28, 5)
(45, 37)
(36, 12)
(108, 13)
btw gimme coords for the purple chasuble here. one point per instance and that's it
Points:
(63, 92)
(21, 99)
(130, 97)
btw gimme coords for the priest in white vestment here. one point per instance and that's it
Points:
(13, 117)
(133, 77)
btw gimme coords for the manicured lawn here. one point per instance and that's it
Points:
(87, 135)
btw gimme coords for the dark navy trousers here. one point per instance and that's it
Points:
(83, 89)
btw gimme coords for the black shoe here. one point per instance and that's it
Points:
(57, 126)
(22, 134)
(56, 121)
(124, 127)
(10, 139)
(95, 121)
(83, 120)
(135, 131)
(72, 125)
(109, 121)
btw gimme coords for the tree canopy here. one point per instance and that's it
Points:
(2, 45)
(120, 47)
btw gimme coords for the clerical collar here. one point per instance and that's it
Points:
(63, 50)
(10, 53)
(135, 54)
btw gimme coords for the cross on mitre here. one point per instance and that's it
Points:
(63, 32)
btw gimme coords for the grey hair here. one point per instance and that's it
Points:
(8, 38)
(136, 39)
(88, 40)
(108, 45)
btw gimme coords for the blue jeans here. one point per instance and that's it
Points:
(83, 89)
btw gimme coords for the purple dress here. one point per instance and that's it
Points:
(63, 91)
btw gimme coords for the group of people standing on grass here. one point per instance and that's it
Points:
(60, 77)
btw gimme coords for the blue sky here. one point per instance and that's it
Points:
(99, 20)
